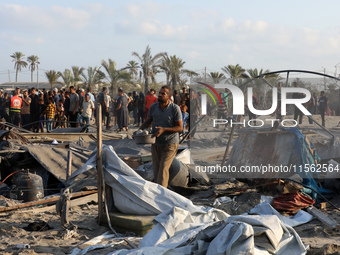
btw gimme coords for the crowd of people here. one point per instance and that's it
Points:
(73, 107)
(42, 110)
(35, 110)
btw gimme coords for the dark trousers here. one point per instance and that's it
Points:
(322, 113)
(14, 118)
(106, 114)
(25, 120)
(34, 119)
(310, 109)
(135, 115)
(298, 113)
(73, 119)
(192, 122)
(141, 115)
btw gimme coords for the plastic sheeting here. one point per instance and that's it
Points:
(183, 228)
(301, 217)
(134, 195)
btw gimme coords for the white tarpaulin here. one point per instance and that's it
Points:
(183, 228)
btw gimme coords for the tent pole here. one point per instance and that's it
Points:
(99, 162)
(228, 145)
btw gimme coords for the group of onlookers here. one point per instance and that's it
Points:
(33, 110)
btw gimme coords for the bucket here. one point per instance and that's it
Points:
(29, 187)
(144, 139)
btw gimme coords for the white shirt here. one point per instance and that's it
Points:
(87, 109)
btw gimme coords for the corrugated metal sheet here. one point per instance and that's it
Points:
(54, 160)
(262, 149)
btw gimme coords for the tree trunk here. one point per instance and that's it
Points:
(146, 85)
(16, 75)
(32, 75)
(112, 88)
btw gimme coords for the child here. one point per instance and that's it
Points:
(185, 117)
(49, 111)
(60, 115)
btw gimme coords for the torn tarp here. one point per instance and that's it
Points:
(183, 228)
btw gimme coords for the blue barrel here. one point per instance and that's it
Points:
(29, 187)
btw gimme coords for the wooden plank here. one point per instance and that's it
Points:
(323, 217)
(75, 202)
(53, 199)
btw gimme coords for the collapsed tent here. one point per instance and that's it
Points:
(184, 228)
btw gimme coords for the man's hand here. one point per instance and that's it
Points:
(160, 131)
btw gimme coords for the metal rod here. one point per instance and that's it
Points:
(228, 145)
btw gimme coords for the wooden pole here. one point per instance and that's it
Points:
(53, 199)
(99, 162)
(69, 167)
(66, 206)
(228, 145)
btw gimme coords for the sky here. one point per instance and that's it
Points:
(272, 35)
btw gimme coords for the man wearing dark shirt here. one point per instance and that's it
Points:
(177, 99)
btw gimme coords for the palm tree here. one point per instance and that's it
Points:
(67, 77)
(260, 86)
(173, 68)
(216, 76)
(147, 62)
(19, 63)
(235, 72)
(34, 62)
(94, 76)
(52, 77)
(77, 72)
(133, 68)
(114, 75)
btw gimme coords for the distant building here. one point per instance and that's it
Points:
(27, 85)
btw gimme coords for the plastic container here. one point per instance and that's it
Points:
(178, 174)
(29, 187)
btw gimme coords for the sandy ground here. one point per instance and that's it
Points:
(53, 241)
(60, 241)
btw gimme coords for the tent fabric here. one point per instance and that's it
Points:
(305, 150)
(301, 217)
(184, 228)
(134, 195)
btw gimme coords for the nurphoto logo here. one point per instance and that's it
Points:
(239, 105)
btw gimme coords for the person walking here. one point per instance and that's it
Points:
(166, 120)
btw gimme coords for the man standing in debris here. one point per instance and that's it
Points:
(166, 119)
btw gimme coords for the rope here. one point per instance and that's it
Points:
(9, 176)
